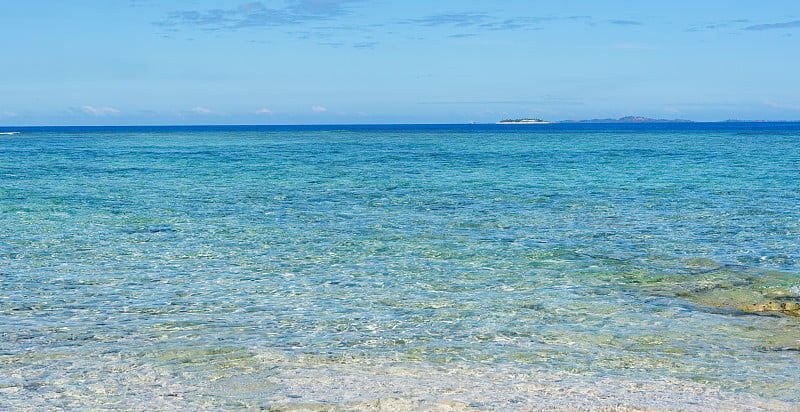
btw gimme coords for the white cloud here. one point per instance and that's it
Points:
(201, 110)
(264, 111)
(782, 106)
(319, 109)
(100, 111)
(7, 114)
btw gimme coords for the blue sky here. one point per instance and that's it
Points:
(378, 61)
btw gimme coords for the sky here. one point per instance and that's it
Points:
(156, 62)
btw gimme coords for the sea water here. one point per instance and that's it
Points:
(467, 267)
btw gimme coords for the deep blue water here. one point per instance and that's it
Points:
(258, 266)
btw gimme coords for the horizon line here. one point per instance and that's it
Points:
(582, 121)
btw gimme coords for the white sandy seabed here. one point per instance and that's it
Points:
(405, 387)
(319, 385)
(274, 381)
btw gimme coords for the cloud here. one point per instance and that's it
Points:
(257, 14)
(466, 19)
(718, 25)
(366, 45)
(320, 8)
(263, 111)
(625, 22)
(773, 26)
(305, 16)
(201, 110)
(782, 106)
(484, 21)
(4, 114)
(477, 20)
(100, 111)
(209, 19)
(319, 109)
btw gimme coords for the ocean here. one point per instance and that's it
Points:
(400, 267)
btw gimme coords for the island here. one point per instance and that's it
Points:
(523, 121)
(626, 119)
(629, 119)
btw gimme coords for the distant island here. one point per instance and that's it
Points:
(626, 119)
(755, 121)
(629, 119)
(523, 121)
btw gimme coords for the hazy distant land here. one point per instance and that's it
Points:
(629, 119)
(626, 119)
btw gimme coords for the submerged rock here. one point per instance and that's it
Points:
(788, 308)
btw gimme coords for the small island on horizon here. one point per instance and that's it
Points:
(633, 119)
(626, 119)
(523, 121)
(629, 119)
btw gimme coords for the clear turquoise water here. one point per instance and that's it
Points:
(206, 268)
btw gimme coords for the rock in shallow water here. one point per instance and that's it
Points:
(788, 308)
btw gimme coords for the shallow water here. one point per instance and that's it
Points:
(472, 267)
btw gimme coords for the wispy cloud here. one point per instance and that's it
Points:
(319, 109)
(774, 26)
(366, 45)
(737, 25)
(264, 111)
(477, 20)
(625, 22)
(516, 23)
(257, 14)
(201, 110)
(484, 21)
(100, 111)
(4, 114)
(320, 8)
(782, 106)
(212, 19)
(465, 19)
(322, 21)
(718, 25)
